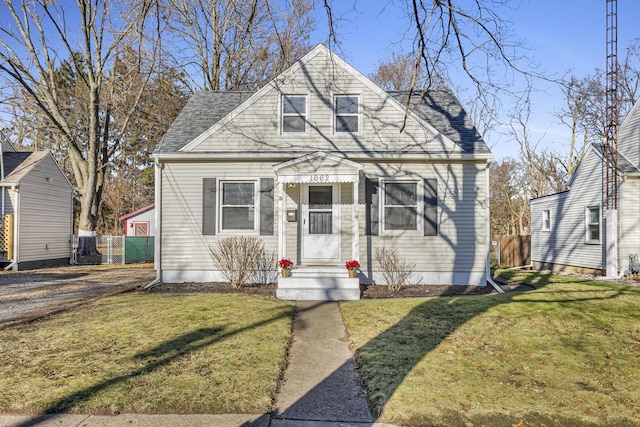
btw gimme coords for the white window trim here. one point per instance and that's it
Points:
(381, 207)
(256, 208)
(335, 114)
(306, 115)
(545, 226)
(587, 236)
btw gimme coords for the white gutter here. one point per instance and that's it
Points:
(488, 231)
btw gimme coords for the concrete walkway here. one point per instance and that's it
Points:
(321, 381)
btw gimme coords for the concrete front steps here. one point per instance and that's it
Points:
(318, 283)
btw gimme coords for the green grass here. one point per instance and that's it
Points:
(565, 354)
(149, 353)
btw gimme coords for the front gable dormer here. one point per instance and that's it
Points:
(321, 103)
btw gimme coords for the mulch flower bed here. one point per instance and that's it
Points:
(368, 291)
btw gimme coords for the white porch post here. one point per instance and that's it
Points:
(282, 239)
(356, 221)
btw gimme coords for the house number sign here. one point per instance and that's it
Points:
(320, 178)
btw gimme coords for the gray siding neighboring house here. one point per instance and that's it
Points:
(564, 226)
(324, 167)
(39, 196)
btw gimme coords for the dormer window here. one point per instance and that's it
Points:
(294, 114)
(347, 114)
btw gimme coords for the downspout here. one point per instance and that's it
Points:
(488, 233)
(157, 240)
(16, 224)
(621, 269)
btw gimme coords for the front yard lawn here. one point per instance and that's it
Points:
(567, 353)
(149, 353)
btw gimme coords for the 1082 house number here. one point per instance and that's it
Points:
(320, 178)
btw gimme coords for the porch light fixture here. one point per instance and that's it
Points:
(291, 185)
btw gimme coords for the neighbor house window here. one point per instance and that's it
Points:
(593, 224)
(546, 220)
(400, 206)
(294, 113)
(238, 206)
(347, 116)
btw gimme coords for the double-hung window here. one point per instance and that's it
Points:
(546, 220)
(238, 205)
(294, 113)
(400, 206)
(592, 223)
(347, 116)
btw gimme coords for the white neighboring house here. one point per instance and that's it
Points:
(36, 209)
(324, 167)
(141, 222)
(568, 230)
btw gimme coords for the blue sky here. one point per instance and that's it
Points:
(559, 35)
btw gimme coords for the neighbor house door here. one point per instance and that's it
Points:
(320, 223)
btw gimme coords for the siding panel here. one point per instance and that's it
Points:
(45, 223)
(565, 243)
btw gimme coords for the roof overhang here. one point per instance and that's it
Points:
(320, 168)
(282, 156)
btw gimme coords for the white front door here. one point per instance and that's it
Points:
(320, 223)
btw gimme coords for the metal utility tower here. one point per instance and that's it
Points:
(612, 115)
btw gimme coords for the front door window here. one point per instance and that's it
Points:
(321, 210)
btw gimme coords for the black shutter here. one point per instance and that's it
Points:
(371, 193)
(208, 206)
(266, 206)
(430, 207)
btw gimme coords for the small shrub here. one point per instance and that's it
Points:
(239, 258)
(396, 271)
(267, 271)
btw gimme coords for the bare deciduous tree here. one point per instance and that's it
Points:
(403, 72)
(543, 172)
(237, 44)
(509, 206)
(39, 38)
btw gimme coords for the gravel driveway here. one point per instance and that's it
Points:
(28, 295)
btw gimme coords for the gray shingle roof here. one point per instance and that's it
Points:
(442, 110)
(439, 108)
(624, 165)
(203, 110)
(18, 164)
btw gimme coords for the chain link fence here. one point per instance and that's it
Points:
(110, 247)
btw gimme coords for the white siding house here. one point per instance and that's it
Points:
(37, 215)
(324, 167)
(568, 230)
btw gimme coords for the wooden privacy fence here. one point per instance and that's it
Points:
(511, 250)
